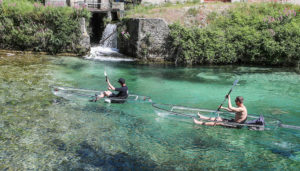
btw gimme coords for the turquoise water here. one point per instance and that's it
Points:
(40, 131)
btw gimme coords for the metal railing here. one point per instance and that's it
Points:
(91, 4)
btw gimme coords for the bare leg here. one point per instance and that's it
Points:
(207, 123)
(198, 122)
(203, 117)
(103, 94)
(209, 118)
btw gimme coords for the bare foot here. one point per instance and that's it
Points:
(198, 122)
(201, 117)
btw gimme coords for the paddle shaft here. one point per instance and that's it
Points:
(105, 74)
(224, 100)
(235, 82)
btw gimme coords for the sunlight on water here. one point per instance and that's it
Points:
(40, 131)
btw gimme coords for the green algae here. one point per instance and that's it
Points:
(39, 131)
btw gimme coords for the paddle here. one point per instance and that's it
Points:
(94, 100)
(105, 75)
(234, 84)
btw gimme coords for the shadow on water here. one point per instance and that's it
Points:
(89, 157)
(75, 66)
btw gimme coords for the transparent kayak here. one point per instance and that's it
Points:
(72, 93)
(188, 113)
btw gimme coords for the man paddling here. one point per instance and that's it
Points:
(240, 114)
(123, 91)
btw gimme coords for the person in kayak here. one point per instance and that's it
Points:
(240, 114)
(123, 91)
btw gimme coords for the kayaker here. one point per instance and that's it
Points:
(240, 114)
(123, 91)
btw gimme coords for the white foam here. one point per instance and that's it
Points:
(10, 54)
(107, 50)
(106, 54)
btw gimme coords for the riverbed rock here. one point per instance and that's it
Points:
(143, 38)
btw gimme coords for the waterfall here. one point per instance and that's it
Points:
(109, 36)
(107, 48)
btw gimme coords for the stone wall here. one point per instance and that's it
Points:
(147, 38)
(84, 38)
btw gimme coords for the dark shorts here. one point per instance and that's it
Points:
(228, 120)
(233, 121)
(112, 95)
(117, 99)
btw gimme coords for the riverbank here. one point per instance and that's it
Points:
(17, 52)
(258, 33)
(29, 26)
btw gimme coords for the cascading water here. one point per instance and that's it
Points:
(109, 36)
(107, 48)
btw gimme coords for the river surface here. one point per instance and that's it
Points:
(39, 131)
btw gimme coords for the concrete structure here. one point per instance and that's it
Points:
(148, 38)
(113, 10)
(92, 5)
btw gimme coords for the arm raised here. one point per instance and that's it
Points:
(110, 86)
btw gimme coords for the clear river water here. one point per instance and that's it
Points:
(40, 131)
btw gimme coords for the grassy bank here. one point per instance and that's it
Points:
(258, 33)
(192, 13)
(27, 25)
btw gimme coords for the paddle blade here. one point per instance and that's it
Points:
(105, 74)
(235, 82)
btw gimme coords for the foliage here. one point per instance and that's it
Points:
(193, 11)
(256, 33)
(123, 34)
(146, 8)
(25, 25)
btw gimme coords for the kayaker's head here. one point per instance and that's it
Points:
(122, 82)
(239, 100)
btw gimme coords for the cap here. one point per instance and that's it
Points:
(122, 81)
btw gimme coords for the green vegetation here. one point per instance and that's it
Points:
(249, 33)
(147, 9)
(28, 25)
(193, 11)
